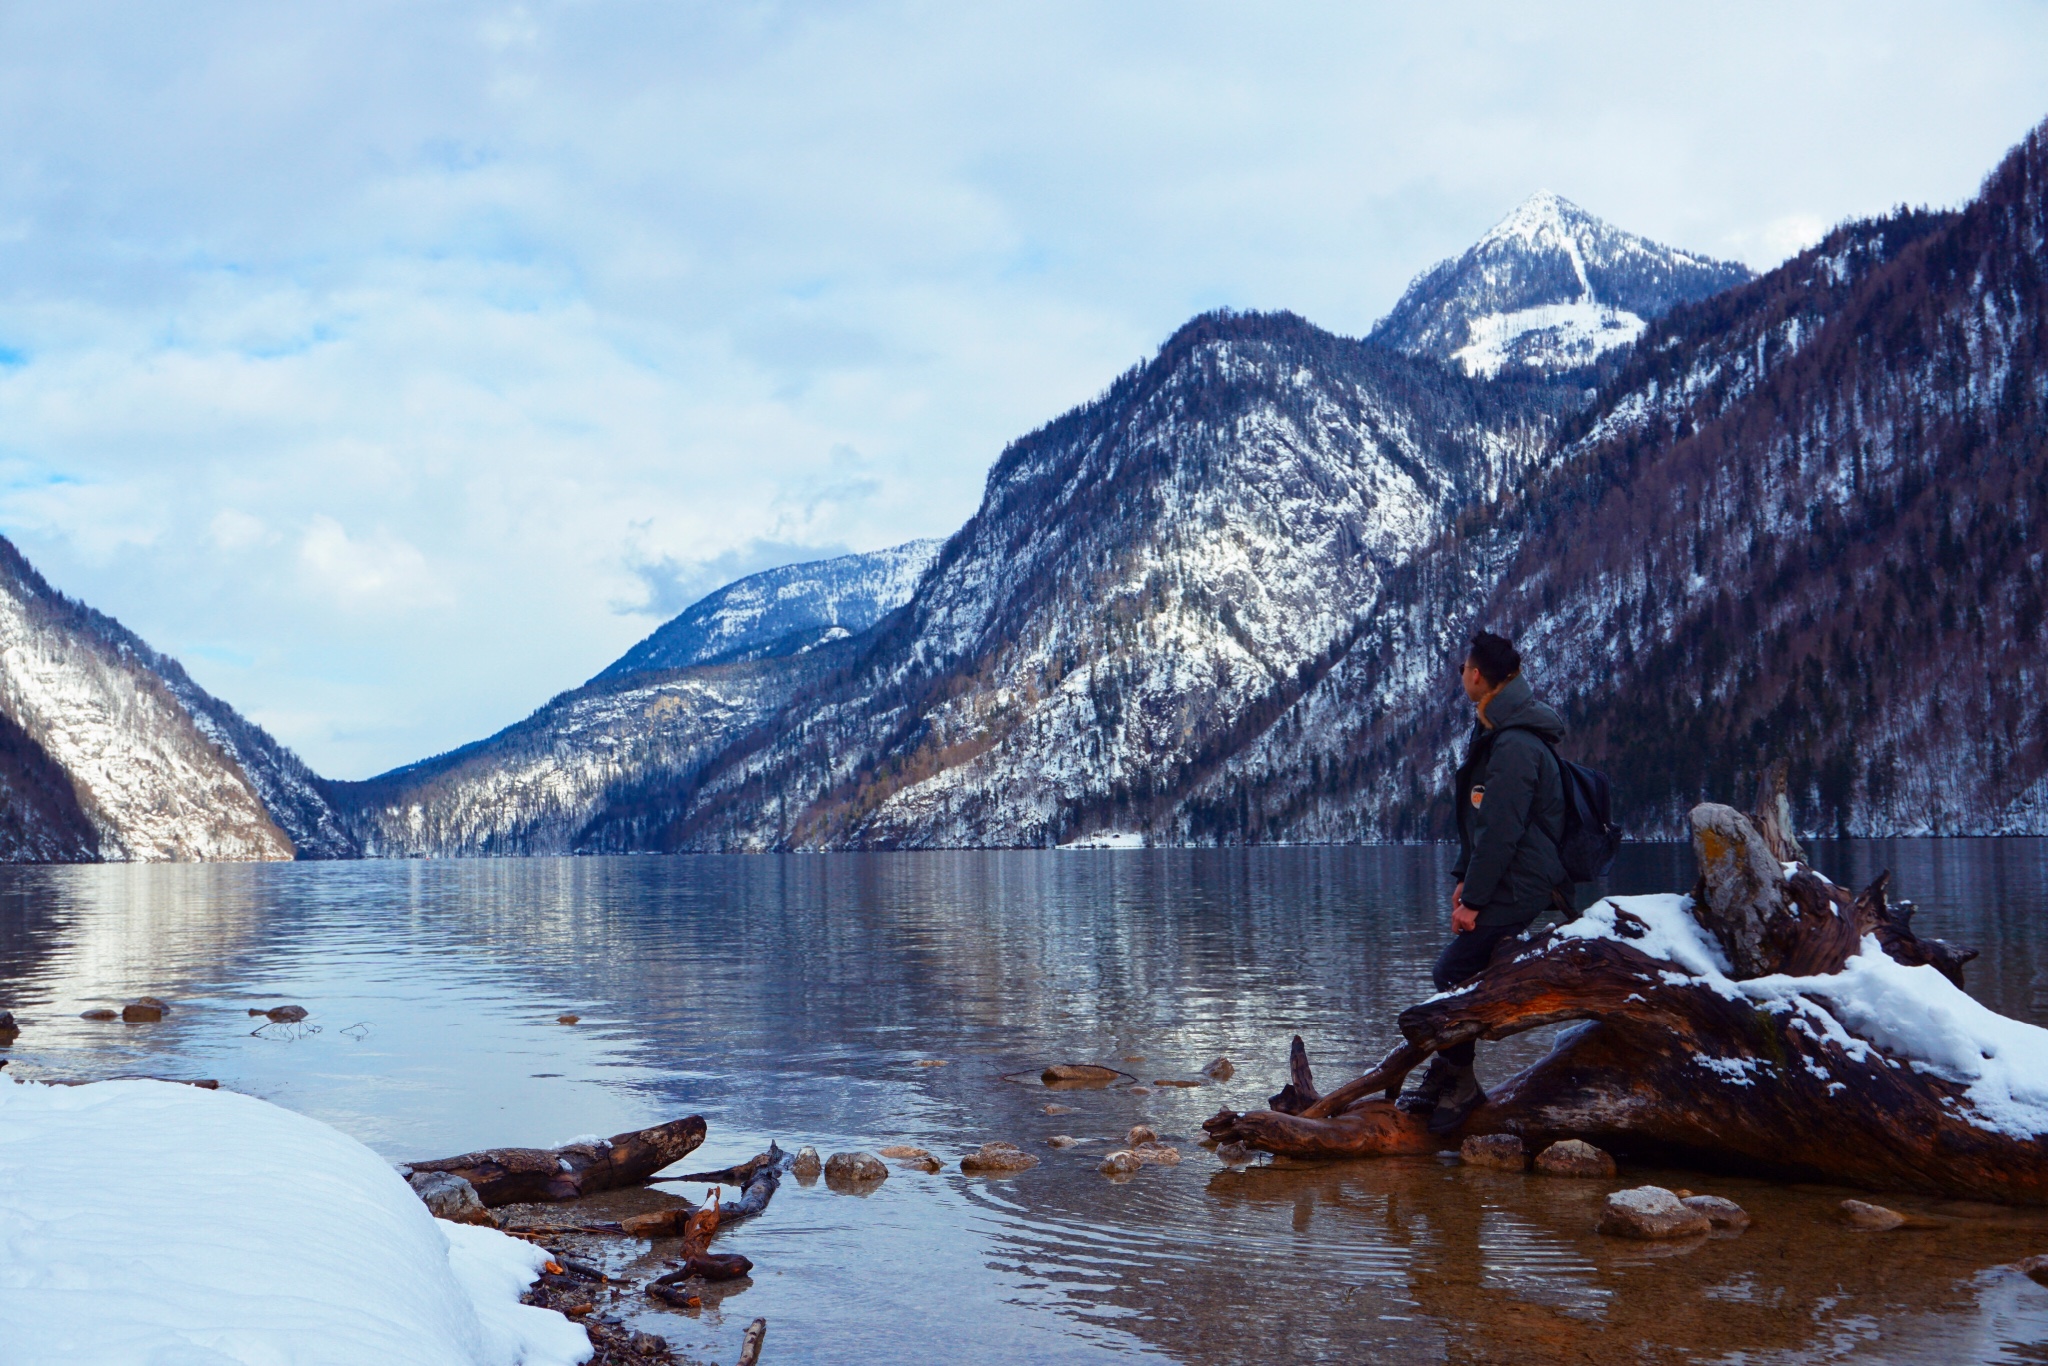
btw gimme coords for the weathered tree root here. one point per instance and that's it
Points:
(1684, 1067)
(505, 1176)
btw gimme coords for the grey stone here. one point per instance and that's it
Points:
(1504, 1151)
(854, 1169)
(1575, 1157)
(1744, 885)
(1651, 1212)
(448, 1196)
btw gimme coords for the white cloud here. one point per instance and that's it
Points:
(390, 362)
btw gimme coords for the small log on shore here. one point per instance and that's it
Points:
(1681, 1061)
(505, 1176)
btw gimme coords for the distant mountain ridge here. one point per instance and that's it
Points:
(1550, 287)
(783, 611)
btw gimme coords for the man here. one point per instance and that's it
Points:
(1510, 805)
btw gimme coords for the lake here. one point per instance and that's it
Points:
(790, 997)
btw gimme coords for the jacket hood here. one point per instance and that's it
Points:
(1516, 705)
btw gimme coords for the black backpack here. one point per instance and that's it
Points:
(1590, 837)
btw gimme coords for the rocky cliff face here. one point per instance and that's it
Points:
(109, 751)
(1549, 288)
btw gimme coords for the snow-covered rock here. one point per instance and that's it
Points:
(146, 1221)
(1550, 287)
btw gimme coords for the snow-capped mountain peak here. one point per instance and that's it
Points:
(1550, 286)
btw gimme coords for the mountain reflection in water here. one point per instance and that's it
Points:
(790, 997)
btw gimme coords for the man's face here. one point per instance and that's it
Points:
(1476, 686)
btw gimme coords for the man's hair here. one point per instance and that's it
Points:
(1495, 657)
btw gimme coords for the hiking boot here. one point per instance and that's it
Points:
(1457, 1103)
(1437, 1080)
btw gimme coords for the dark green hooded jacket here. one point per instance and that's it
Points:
(1511, 810)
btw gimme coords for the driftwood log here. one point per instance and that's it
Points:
(504, 1176)
(1676, 1065)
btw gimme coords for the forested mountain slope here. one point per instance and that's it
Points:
(1804, 518)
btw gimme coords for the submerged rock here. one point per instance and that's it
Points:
(1122, 1162)
(1140, 1133)
(1575, 1157)
(448, 1196)
(568, 1019)
(1504, 1151)
(1650, 1212)
(929, 1062)
(1168, 1081)
(806, 1165)
(1219, 1070)
(918, 1158)
(144, 1010)
(1876, 1218)
(998, 1157)
(1233, 1154)
(1138, 1091)
(1058, 1109)
(2036, 1268)
(1070, 1074)
(1062, 1141)
(98, 1013)
(1724, 1214)
(8, 1028)
(282, 1014)
(1156, 1154)
(854, 1169)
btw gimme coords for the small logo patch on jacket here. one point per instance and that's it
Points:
(1478, 795)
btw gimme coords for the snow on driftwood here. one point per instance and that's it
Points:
(146, 1221)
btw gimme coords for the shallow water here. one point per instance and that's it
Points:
(790, 997)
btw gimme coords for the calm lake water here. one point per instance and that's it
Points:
(790, 997)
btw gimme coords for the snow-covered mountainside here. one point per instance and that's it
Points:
(1804, 519)
(1150, 580)
(572, 776)
(782, 611)
(109, 751)
(1550, 287)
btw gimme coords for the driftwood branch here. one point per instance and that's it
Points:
(1682, 1066)
(504, 1176)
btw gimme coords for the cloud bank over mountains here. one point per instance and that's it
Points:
(395, 367)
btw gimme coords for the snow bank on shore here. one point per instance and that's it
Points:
(1912, 1017)
(148, 1222)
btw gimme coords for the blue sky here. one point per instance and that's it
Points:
(398, 365)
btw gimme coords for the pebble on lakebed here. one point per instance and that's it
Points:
(1078, 1074)
(1575, 1157)
(1651, 1212)
(1876, 1218)
(998, 1157)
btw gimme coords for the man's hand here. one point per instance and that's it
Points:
(1463, 918)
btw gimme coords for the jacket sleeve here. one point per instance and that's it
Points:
(1512, 772)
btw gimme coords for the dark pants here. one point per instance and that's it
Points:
(1464, 958)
